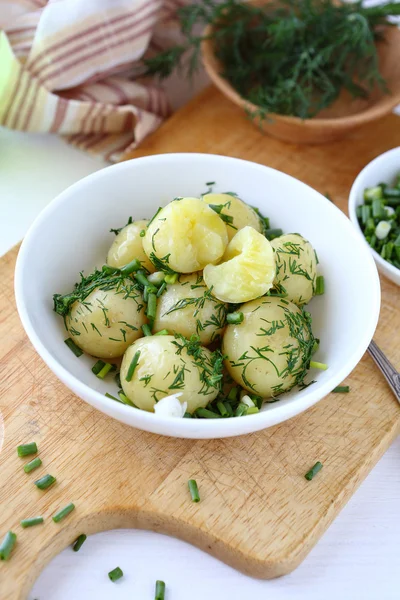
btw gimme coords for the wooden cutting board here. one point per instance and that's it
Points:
(257, 511)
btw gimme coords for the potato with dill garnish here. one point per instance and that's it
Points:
(234, 212)
(296, 267)
(189, 307)
(157, 366)
(185, 236)
(128, 245)
(105, 321)
(269, 352)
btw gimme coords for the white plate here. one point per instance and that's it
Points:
(72, 234)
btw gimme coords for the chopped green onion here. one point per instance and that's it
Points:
(64, 512)
(109, 270)
(141, 278)
(320, 286)
(112, 397)
(146, 330)
(7, 545)
(241, 409)
(73, 347)
(160, 590)
(373, 193)
(365, 213)
(233, 393)
(117, 379)
(234, 318)
(97, 367)
(132, 366)
(172, 278)
(45, 482)
(312, 472)
(229, 409)
(32, 465)
(222, 409)
(80, 540)
(156, 278)
(104, 370)
(318, 365)
(115, 574)
(31, 522)
(27, 449)
(392, 193)
(252, 410)
(161, 289)
(205, 413)
(151, 307)
(187, 415)
(271, 234)
(378, 210)
(341, 389)
(382, 230)
(142, 233)
(125, 399)
(131, 267)
(194, 490)
(162, 332)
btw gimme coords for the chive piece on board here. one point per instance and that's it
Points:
(160, 590)
(320, 286)
(73, 347)
(132, 366)
(45, 482)
(341, 389)
(234, 318)
(32, 465)
(318, 365)
(115, 574)
(146, 329)
(312, 472)
(194, 490)
(7, 545)
(80, 540)
(27, 449)
(64, 512)
(31, 522)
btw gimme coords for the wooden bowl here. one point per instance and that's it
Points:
(335, 122)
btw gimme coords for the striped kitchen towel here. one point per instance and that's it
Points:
(74, 67)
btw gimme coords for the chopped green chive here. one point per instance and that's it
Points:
(233, 393)
(156, 278)
(141, 278)
(27, 449)
(162, 332)
(252, 410)
(160, 590)
(109, 270)
(172, 278)
(104, 370)
(222, 409)
(151, 307)
(117, 379)
(73, 347)
(31, 522)
(146, 330)
(271, 234)
(64, 512)
(112, 397)
(97, 367)
(161, 289)
(125, 399)
(7, 545)
(312, 472)
(228, 409)
(318, 365)
(32, 465)
(194, 490)
(205, 413)
(45, 482)
(132, 366)
(115, 574)
(320, 286)
(187, 415)
(234, 318)
(80, 540)
(241, 409)
(131, 267)
(142, 233)
(341, 389)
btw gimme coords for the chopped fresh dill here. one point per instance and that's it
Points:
(117, 231)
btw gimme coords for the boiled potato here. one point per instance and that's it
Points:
(187, 235)
(241, 213)
(296, 267)
(107, 321)
(128, 245)
(188, 307)
(164, 367)
(247, 269)
(269, 352)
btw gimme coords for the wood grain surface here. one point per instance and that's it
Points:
(257, 511)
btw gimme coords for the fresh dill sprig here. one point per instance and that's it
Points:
(292, 57)
(117, 231)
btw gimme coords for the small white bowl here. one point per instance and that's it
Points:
(384, 168)
(72, 234)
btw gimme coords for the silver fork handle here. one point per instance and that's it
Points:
(388, 370)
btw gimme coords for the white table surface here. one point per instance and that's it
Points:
(356, 558)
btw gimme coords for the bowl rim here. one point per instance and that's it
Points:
(354, 201)
(376, 110)
(186, 428)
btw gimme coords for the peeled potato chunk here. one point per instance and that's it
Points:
(187, 235)
(269, 352)
(164, 367)
(128, 245)
(241, 213)
(247, 269)
(108, 321)
(296, 267)
(188, 307)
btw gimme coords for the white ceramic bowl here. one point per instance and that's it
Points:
(72, 234)
(383, 168)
